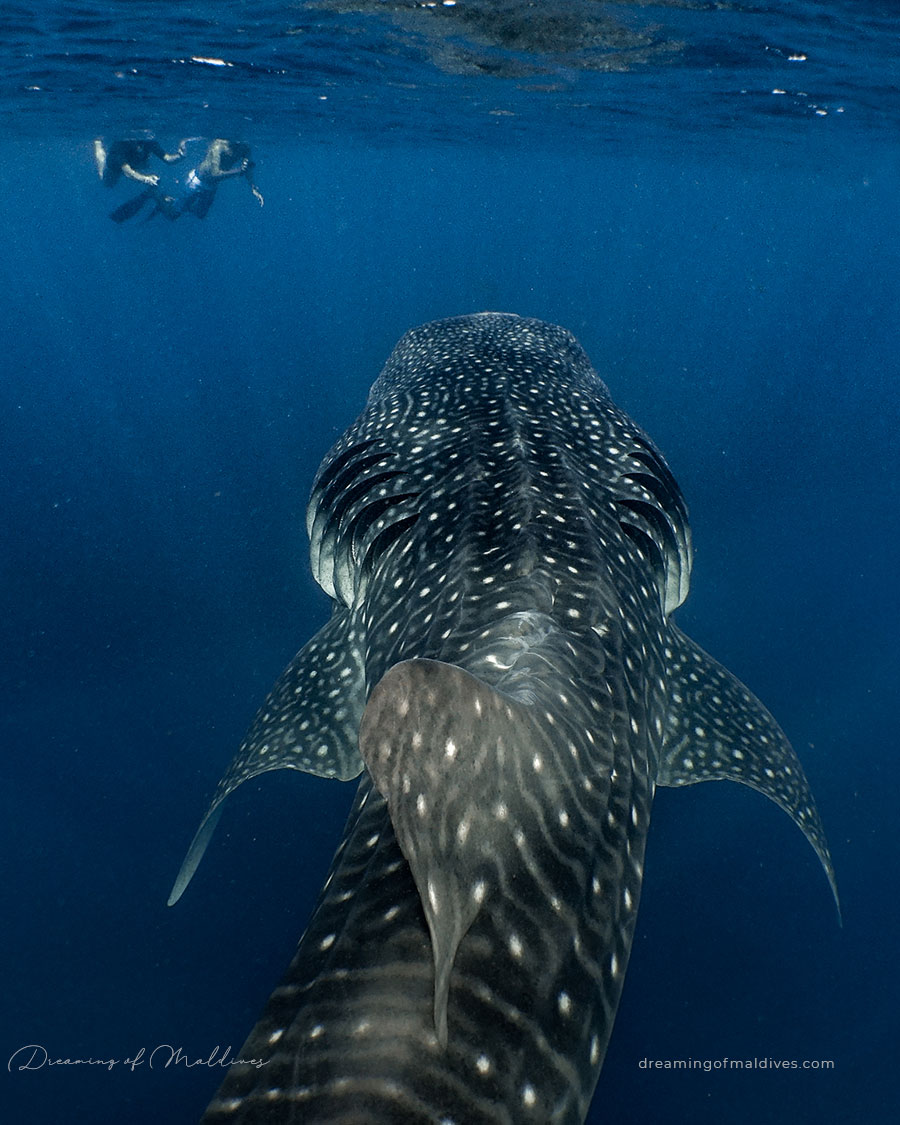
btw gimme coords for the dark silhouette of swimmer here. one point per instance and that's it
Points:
(224, 160)
(129, 158)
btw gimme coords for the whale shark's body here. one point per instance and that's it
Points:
(505, 549)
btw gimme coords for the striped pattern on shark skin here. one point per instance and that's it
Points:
(504, 548)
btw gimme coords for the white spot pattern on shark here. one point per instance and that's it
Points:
(504, 549)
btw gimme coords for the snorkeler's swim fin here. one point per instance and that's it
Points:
(130, 208)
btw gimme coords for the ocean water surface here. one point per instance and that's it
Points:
(706, 194)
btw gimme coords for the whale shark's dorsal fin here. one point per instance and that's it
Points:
(467, 771)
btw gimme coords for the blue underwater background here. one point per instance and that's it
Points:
(167, 391)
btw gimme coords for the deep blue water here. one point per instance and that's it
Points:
(168, 390)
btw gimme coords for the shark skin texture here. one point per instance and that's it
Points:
(504, 549)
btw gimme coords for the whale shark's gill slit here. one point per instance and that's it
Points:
(647, 545)
(660, 470)
(670, 553)
(328, 487)
(662, 512)
(365, 487)
(663, 534)
(384, 540)
(337, 492)
(328, 475)
(343, 515)
(370, 515)
(657, 489)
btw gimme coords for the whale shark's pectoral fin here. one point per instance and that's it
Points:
(440, 746)
(308, 722)
(195, 852)
(718, 730)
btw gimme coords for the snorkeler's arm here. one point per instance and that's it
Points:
(257, 194)
(247, 167)
(221, 174)
(171, 157)
(141, 177)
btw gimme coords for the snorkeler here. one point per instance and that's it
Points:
(130, 158)
(223, 160)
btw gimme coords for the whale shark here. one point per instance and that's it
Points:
(504, 549)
